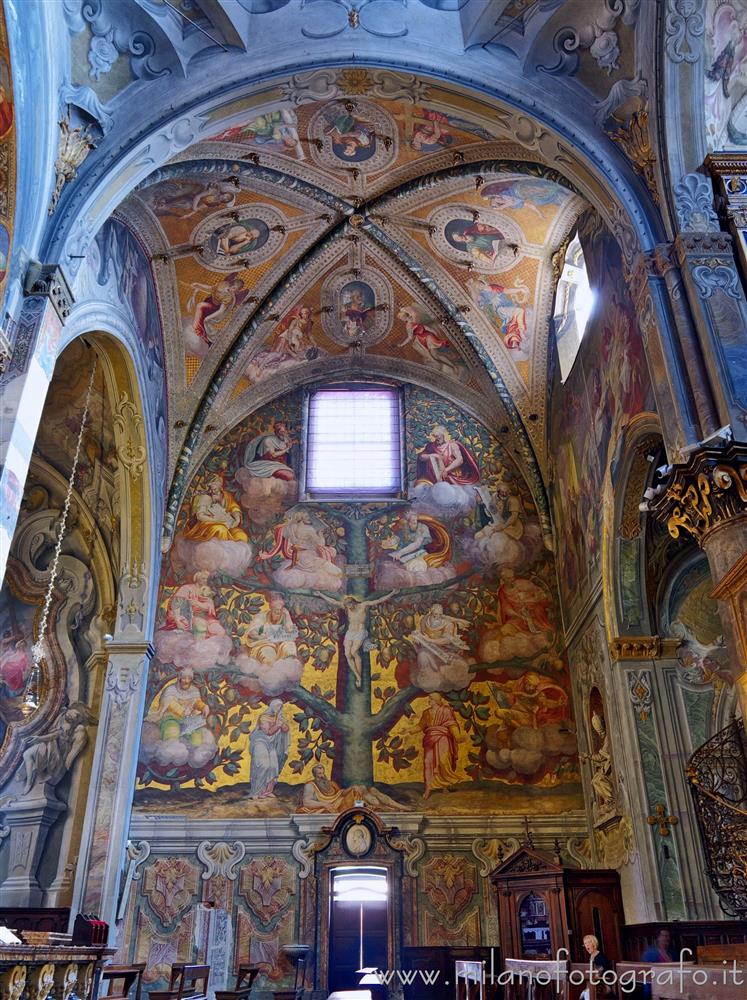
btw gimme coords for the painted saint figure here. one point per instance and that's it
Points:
(179, 710)
(444, 460)
(272, 634)
(214, 514)
(191, 609)
(356, 633)
(267, 456)
(425, 543)
(219, 302)
(480, 240)
(268, 747)
(308, 560)
(440, 730)
(352, 138)
(323, 795)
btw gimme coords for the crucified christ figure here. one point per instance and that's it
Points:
(355, 634)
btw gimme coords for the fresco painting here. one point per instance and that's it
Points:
(608, 385)
(725, 74)
(307, 653)
(7, 157)
(17, 635)
(420, 130)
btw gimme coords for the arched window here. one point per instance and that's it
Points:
(574, 302)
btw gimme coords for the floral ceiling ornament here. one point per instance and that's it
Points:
(75, 145)
(634, 139)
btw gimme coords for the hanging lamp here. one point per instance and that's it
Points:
(38, 650)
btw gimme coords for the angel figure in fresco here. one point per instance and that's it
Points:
(291, 344)
(352, 138)
(216, 305)
(308, 561)
(529, 193)
(421, 334)
(214, 514)
(444, 460)
(506, 307)
(440, 731)
(323, 795)
(729, 48)
(268, 749)
(355, 634)
(275, 129)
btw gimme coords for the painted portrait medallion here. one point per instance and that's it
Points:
(358, 312)
(488, 242)
(357, 132)
(226, 241)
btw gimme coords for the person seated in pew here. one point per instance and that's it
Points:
(661, 951)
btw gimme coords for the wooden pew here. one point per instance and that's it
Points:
(536, 979)
(183, 983)
(244, 982)
(130, 975)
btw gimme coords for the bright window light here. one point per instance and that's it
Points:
(359, 885)
(353, 443)
(574, 305)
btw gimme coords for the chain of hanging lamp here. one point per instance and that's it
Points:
(38, 649)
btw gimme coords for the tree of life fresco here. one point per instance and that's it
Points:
(309, 655)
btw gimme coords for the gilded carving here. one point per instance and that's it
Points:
(635, 141)
(709, 491)
(13, 982)
(128, 424)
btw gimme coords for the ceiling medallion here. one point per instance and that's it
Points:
(241, 239)
(356, 309)
(484, 241)
(353, 133)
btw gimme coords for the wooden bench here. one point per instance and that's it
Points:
(130, 975)
(244, 982)
(183, 983)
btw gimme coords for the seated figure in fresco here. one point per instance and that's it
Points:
(323, 795)
(179, 711)
(534, 701)
(214, 514)
(444, 460)
(267, 456)
(309, 562)
(191, 609)
(272, 634)
(423, 542)
(523, 626)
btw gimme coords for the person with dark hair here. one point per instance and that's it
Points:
(661, 950)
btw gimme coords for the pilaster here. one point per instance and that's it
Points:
(104, 838)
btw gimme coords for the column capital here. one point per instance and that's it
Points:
(707, 493)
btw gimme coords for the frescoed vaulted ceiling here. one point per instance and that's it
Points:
(392, 229)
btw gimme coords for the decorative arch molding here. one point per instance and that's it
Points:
(624, 532)
(110, 174)
(116, 345)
